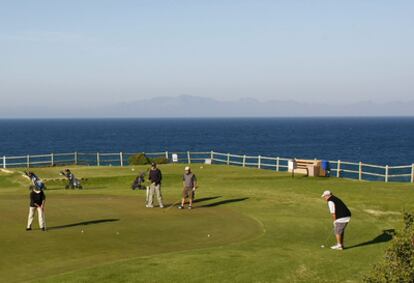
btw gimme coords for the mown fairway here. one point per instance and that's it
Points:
(263, 227)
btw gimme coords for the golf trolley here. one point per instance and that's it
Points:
(36, 182)
(73, 182)
(138, 184)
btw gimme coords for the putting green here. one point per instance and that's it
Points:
(86, 231)
(263, 226)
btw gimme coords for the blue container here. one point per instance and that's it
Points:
(325, 165)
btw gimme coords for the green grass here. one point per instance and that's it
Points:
(263, 226)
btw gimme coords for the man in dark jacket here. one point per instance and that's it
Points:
(341, 216)
(37, 202)
(155, 178)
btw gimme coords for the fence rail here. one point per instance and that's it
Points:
(339, 168)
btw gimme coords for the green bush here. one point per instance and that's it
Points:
(139, 159)
(398, 262)
(160, 160)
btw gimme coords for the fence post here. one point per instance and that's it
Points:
(338, 169)
(166, 154)
(212, 156)
(259, 162)
(228, 159)
(75, 154)
(277, 164)
(244, 160)
(52, 159)
(386, 174)
(4, 162)
(412, 173)
(189, 157)
(28, 161)
(98, 159)
(121, 158)
(360, 171)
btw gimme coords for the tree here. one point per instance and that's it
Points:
(397, 265)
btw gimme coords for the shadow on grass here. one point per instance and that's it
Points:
(194, 201)
(84, 223)
(205, 199)
(224, 202)
(384, 237)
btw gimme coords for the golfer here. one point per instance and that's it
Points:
(189, 187)
(341, 216)
(155, 177)
(37, 203)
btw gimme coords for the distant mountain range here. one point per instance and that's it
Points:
(194, 106)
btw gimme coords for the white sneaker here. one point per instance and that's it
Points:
(337, 247)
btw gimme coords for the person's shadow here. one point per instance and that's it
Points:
(384, 237)
(84, 223)
(224, 202)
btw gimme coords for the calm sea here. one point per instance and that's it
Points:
(373, 140)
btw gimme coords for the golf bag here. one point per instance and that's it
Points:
(73, 182)
(139, 182)
(36, 182)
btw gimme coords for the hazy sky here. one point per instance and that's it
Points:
(71, 52)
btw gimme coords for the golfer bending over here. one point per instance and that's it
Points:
(341, 216)
(190, 185)
(155, 178)
(37, 202)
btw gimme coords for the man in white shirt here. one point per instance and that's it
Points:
(341, 216)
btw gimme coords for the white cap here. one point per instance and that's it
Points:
(326, 194)
(187, 168)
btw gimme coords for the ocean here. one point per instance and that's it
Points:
(382, 141)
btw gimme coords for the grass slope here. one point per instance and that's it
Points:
(263, 227)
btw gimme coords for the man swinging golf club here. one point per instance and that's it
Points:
(341, 216)
(189, 187)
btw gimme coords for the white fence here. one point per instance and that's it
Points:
(338, 168)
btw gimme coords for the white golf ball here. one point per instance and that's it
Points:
(132, 169)
(208, 235)
(322, 246)
(81, 231)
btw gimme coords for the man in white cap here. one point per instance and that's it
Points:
(341, 216)
(189, 187)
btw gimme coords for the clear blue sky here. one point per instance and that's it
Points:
(70, 52)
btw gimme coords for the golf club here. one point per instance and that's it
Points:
(174, 204)
(326, 239)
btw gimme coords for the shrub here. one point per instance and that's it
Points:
(139, 159)
(398, 263)
(160, 160)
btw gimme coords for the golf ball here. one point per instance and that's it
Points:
(208, 235)
(81, 231)
(132, 169)
(322, 246)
